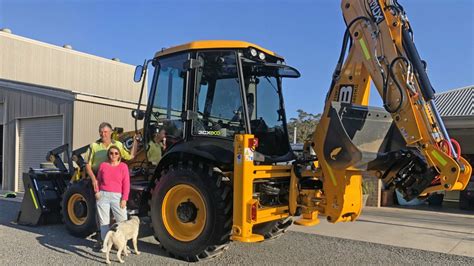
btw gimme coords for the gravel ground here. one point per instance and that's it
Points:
(51, 244)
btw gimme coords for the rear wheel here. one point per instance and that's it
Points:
(79, 209)
(274, 229)
(191, 212)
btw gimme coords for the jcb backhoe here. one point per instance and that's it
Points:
(228, 172)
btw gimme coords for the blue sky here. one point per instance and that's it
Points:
(307, 33)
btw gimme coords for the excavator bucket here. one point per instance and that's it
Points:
(359, 136)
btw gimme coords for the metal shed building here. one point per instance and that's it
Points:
(457, 110)
(50, 95)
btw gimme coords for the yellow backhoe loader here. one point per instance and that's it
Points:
(229, 173)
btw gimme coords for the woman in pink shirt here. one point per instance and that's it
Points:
(113, 189)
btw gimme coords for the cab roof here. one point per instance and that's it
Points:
(213, 44)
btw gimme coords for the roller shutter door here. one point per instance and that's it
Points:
(37, 136)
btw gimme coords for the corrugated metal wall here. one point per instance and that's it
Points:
(21, 104)
(88, 116)
(31, 152)
(30, 61)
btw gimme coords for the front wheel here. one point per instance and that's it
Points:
(191, 212)
(79, 209)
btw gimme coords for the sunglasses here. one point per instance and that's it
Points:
(114, 153)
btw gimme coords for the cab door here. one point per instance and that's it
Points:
(168, 98)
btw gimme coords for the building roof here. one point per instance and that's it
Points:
(213, 44)
(457, 102)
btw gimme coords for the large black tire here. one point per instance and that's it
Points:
(274, 229)
(79, 209)
(208, 203)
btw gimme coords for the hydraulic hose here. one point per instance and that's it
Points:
(444, 145)
(342, 55)
(385, 87)
(426, 89)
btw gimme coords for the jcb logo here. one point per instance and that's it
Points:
(376, 11)
(345, 94)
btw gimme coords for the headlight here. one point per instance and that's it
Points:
(261, 56)
(253, 52)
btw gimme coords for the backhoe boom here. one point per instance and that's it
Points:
(407, 144)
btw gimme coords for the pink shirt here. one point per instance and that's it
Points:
(114, 178)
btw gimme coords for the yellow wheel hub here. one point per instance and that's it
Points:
(184, 212)
(76, 206)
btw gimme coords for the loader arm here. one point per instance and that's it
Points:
(407, 144)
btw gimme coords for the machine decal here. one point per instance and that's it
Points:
(335, 152)
(248, 154)
(364, 49)
(438, 157)
(33, 197)
(404, 132)
(376, 11)
(209, 133)
(345, 94)
(331, 174)
(239, 158)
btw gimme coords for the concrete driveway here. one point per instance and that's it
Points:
(382, 236)
(418, 229)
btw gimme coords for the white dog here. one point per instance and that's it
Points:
(118, 236)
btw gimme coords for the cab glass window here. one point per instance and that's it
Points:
(168, 101)
(219, 102)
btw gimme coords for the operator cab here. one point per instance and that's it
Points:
(205, 92)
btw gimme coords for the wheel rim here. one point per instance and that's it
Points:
(76, 215)
(184, 212)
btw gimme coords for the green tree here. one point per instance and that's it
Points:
(305, 125)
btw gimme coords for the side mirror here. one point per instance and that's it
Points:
(137, 77)
(138, 114)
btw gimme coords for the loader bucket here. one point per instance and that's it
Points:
(359, 136)
(42, 200)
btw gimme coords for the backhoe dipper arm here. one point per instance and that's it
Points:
(352, 138)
